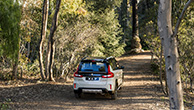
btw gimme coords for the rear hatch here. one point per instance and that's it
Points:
(92, 72)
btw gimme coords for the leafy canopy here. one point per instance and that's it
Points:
(9, 28)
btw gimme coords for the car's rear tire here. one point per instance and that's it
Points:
(114, 95)
(122, 82)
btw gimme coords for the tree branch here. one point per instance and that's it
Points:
(181, 17)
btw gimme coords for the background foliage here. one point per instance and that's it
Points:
(86, 28)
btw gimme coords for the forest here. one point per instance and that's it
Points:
(46, 39)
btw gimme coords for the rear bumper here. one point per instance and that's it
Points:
(92, 90)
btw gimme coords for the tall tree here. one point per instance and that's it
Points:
(123, 18)
(10, 17)
(168, 38)
(43, 35)
(135, 42)
(102, 13)
(51, 46)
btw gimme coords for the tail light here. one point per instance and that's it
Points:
(109, 75)
(76, 73)
(110, 86)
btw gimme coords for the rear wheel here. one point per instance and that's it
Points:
(122, 81)
(114, 95)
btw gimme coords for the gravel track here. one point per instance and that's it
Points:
(140, 91)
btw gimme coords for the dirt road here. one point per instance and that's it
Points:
(141, 91)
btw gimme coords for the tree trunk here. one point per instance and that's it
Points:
(52, 54)
(135, 42)
(28, 53)
(47, 60)
(166, 85)
(15, 69)
(161, 55)
(123, 18)
(134, 19)
(15, 65)
(191, 83)
(171, 55)
(43, 35)
(51, 48)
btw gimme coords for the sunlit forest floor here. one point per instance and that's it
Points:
(141, 91)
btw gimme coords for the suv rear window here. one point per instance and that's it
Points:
(93, 66)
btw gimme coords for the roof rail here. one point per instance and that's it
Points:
(109, 58)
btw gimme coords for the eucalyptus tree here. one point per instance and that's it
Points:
(168, 38)
(185, 38)
(51, 45)
(43, 36)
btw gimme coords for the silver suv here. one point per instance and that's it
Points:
(98, 75)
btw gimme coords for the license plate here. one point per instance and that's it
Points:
(92, 79)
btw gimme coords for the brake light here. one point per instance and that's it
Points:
(109, 75)
(74, 85)
(76, 73)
